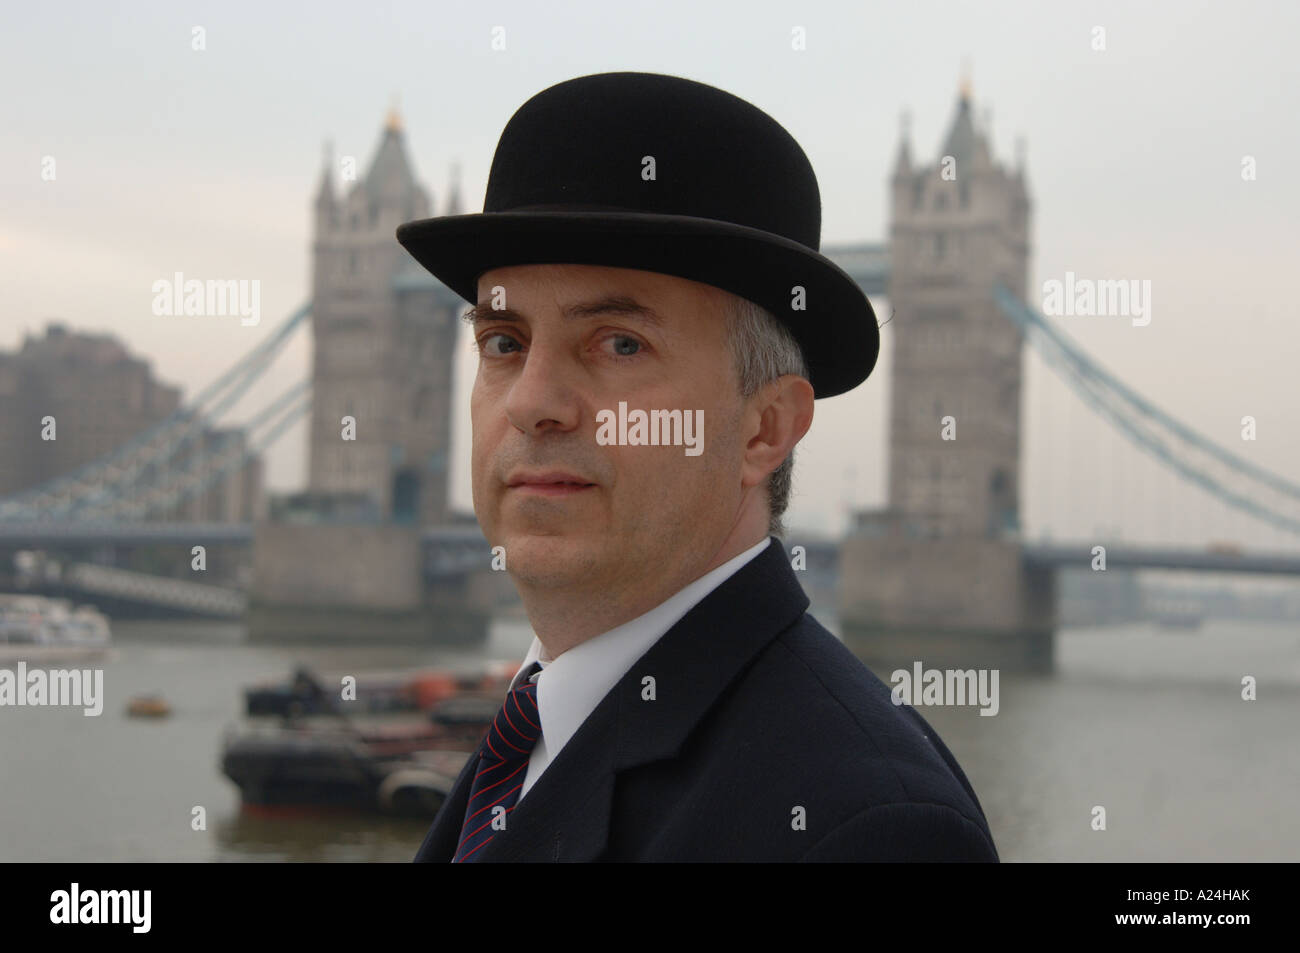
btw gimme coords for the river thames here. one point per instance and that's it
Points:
(1148, 723)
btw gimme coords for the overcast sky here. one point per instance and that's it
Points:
(171, 159)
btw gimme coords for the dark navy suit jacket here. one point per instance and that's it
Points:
(766, 740)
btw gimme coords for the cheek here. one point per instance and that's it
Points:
(723, 445)
(477, 440)
(484, 437)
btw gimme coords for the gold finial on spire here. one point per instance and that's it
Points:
(965, 78)
(394, 121)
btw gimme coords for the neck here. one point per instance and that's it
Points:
(569, 616)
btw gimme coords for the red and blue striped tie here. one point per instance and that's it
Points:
(503, 762)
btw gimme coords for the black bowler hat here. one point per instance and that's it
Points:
(733, 203)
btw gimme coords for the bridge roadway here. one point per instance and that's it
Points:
(1079, 555)
(466, 540)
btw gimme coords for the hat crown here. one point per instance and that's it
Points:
(646, 142)
(662, 174)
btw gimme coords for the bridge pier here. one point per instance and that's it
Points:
(357, 582)
(948, 603)
(286, 623)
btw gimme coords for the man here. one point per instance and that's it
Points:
(654, 321)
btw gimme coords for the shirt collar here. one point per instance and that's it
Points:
(570, 687)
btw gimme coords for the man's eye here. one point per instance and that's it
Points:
(485, 345)
(621, 341)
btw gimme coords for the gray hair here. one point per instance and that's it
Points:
(763, 349)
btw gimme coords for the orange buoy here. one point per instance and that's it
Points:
(148, 706)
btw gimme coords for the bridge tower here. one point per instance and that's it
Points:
(958, 226)
(937, 574)
(348, 560)
(383, 346)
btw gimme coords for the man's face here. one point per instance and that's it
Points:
(569, 345)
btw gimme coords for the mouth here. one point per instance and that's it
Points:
(549, 484)
(552, 489)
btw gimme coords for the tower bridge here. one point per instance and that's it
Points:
(371, 549)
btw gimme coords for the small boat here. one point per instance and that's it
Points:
(148, 706)
(394, 762)
(400, 766)
(40, 629)
(308, 693)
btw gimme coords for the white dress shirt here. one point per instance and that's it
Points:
(570, 687)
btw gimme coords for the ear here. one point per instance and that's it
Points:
(783, 412)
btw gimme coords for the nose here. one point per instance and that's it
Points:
(542, 397)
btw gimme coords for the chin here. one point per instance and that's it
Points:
(538, 557)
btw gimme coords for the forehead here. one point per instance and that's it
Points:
(590, 291)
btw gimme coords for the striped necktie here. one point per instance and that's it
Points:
(503, 762)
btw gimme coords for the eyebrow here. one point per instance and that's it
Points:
(610, 304)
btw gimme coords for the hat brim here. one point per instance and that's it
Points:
(837, 332)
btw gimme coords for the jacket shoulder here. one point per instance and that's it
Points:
(911, 832)
(878, 763)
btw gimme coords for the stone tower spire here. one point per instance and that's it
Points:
(389, 181)
(903, 163)
(453, 191)
(326, 202)
(960, 141)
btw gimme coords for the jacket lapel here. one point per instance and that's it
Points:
(444, 834)
(647, 716)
